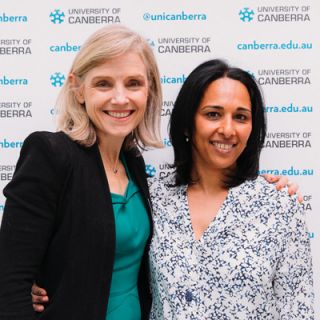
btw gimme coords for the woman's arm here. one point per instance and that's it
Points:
(27, 224)
(293, 282)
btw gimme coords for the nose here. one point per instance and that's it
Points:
(227, 128)
(119, 96)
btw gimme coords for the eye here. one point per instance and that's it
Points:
(134, 83)
(242, 117)
(213, 115)
(103, 84)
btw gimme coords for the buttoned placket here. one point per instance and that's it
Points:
(198, 250)
(193, 289)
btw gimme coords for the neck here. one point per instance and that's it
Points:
(110, 153)
(209, 181)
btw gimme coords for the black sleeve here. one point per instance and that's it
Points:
(27, 223)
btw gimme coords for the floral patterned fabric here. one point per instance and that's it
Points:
(252, 262)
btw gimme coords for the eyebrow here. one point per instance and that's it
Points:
(139, 76)
(243, 109)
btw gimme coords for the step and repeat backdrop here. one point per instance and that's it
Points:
(276, 41)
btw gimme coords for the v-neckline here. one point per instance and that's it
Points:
(218, 216)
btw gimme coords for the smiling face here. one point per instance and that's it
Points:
(222, 125)
(115, 95)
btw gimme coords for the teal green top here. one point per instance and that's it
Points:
(132, 231)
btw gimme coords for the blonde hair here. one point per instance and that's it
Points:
(107, 43)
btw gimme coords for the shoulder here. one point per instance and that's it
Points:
(161, 182)
(168, 201)
(261, 196)
(163, 187)
(54, 140)
(44, 158)
(53, 148)
(259, 188)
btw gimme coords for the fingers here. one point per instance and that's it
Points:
(300, 197)
(282, 182)
(37, 291)
(39, 299)
(37, 307)
(271, 178)
(292, 187)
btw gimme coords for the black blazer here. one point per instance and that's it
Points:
(58, 229)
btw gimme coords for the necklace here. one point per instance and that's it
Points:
(116, 167)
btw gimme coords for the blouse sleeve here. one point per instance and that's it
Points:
(293, 282)
(27, 224)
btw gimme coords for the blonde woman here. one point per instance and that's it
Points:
(77, 216)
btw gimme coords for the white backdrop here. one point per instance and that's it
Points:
(277, 41)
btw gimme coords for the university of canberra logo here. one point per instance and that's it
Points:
(57, 16)
(246, 14)
(57, 79)
(150, 170)
(85, 15)
(151, 43)
(276, 14)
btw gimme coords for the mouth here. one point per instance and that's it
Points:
(223, 147)
(119, 114)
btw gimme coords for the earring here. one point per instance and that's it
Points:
(187, 138)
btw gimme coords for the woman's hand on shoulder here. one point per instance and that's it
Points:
(281, 182)
(39, 298)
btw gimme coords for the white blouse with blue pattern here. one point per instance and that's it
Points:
(252, 262)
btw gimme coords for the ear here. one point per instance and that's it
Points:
(76, 87)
